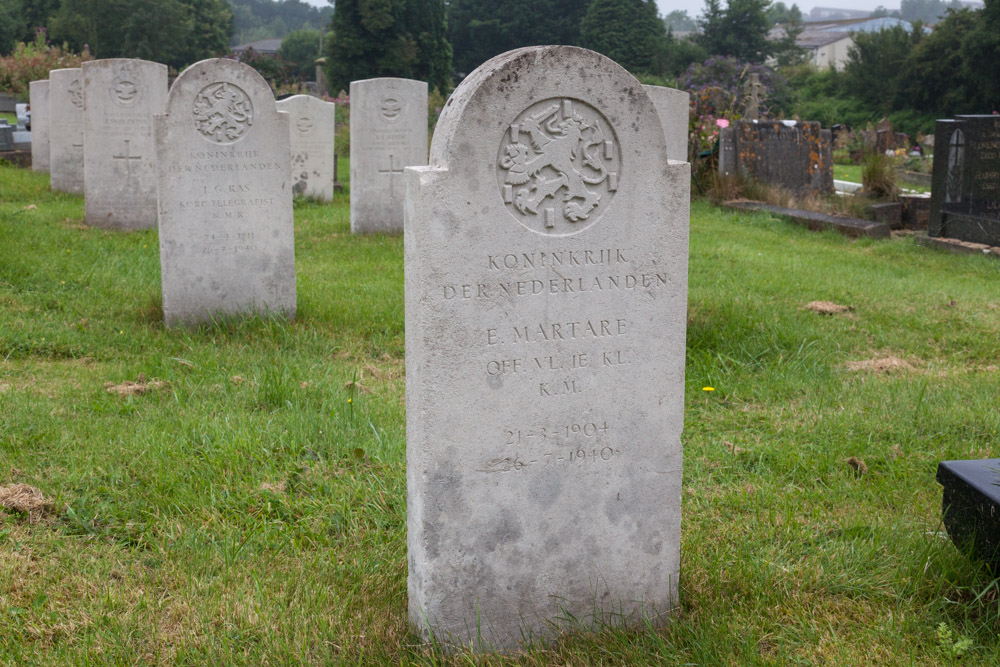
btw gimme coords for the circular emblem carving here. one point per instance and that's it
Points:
(558, 166)
(304, 125)
(223, 112)
(76, 94)
(124, 91)
(391, 109)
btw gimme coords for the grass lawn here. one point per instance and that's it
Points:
(252, 510)
(852, 173)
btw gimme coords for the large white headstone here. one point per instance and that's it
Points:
(225, 197)
(39, 101)
(546, 284)
(388, 133)
(311, 125)
(66, 129)
(674, 108)
(120, 97)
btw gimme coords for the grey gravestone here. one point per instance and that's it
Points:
(388, 133)
(225, 198)
(546, 287)
(795, 155)
(311, 124)
(971, 507)
(39, 92)
(965, 190)
(674, 108)
(66, 130)
(120, 97)
(6, 136)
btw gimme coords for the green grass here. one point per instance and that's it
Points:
(253, 512)
(852, 173)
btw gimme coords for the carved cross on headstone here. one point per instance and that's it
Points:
(128, 157)
(755, 90)
(392, 170)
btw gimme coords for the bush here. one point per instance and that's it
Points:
(32, 62)
(878, 176)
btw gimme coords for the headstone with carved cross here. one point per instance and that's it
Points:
(66, 130)
(311, 123)
(225, 197)
(546, 272)
(39, 92)
(388, 132)
(120, 97)
(965, 190)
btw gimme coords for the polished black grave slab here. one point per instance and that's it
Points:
(971, 507)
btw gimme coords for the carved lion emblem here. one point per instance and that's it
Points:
(558, 166)
(223, 112)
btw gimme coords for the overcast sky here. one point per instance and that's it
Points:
(694, 7)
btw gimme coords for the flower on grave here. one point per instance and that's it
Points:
(722, 122)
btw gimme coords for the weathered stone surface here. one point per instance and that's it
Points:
(225, 196)
(916, 211)
(891, 213)
(388, 133)
(546, 287)
(853, 227)
(39, 92)
(6, 136)
(674, 108)
(120, 97)
(66, 129)
(971, 507)
(311, 124)
(795, 155)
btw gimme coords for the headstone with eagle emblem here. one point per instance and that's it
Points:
(311, 127)
(225, 197)
(66, 130)
(120, 96)
(546, 251)
(388, 133)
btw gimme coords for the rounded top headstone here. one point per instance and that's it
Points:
(561, 130)
(218, 95)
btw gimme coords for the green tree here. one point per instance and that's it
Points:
(12, 25)
(934, 78)
(627, 31)
(779, 13)
(481, 29)
(37, 14)
(875, 64)
(299, 50)
(740, 30)
(174, 32)
(405, 38)
(981, 56)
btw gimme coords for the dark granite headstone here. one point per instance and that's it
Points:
(965, 191)
(797, 156)
(6, 136)
(971, 506)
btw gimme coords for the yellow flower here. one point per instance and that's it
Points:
(708, 388)
(350, 400)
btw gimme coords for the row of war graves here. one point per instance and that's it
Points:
(546, 249)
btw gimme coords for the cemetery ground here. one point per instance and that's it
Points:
(236, 493)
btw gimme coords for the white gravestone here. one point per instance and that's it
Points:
(66, 130)
(311, 126)
(39, 101)
(546, 285)
(225, 197)
(120, 97)
(388, 133)
(674, 108)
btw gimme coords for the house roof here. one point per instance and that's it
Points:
(267, 46)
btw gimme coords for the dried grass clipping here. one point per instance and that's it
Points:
(26, 500)
(827, 307)
(881, 365)
(137, 388)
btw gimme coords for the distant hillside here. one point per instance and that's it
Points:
(263, 19)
